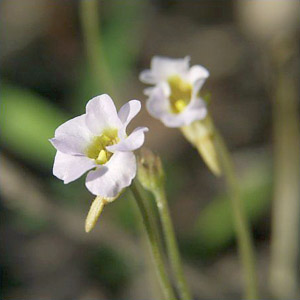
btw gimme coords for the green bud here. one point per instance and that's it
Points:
(150, 170)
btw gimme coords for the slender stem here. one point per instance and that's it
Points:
(286, 205)
(156, 253)
(90, 22)
(244, 238)
(172, 247)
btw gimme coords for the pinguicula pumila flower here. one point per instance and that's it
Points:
(175, 100)
(97, 142)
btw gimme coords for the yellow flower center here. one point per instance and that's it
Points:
(181, 94)
(97, 149)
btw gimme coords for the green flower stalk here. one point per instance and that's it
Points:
(152, 178)
(150, 227)
(244, 238)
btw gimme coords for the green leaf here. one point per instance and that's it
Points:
(29, 121)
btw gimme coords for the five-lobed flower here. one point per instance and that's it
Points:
(97, 142)
(175, 98)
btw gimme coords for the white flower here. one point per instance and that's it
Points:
(175, 97)
(97, 140)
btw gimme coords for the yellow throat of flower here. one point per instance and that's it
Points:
(97, 149)
(181, 94)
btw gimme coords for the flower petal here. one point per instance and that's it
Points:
(163, 67)
(101, 114)
(197, 72)
(69, 167)
(134, 141)
(148, 91)
(69, 144)
(197, 76)
(147, 76)
(185, 118)
(126, 113)
(158, 103)
(196, 110)
(158, 107)
(111, 178)
(73, 136)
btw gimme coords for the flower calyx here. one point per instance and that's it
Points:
(150, 170)
(201, 134)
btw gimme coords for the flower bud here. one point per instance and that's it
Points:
(201, 135)
(95, 211)
(150, 170)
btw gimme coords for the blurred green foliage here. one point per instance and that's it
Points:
(29, 121)
(122, 27)
(214, 229)
(29, 223)
(109, 268)
(9, 281)
(125, 213)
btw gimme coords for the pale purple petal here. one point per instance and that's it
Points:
(196, 110)
(134, 141)
(126, 113)
(73, 136)
(197, 72)
(101, 114)
(164, 67)
(147, 76)
(69, 144)
(148, 91)
(158, 104)
(197, 76)
(68, 167)
(115, 175)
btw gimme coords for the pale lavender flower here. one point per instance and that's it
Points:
(175, 98)
(97, 142)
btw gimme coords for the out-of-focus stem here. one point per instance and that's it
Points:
(90, 22)
(172, 247)
(244, 239)
(286, 202)
(155, 248)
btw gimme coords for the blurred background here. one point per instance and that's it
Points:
(251, 49)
